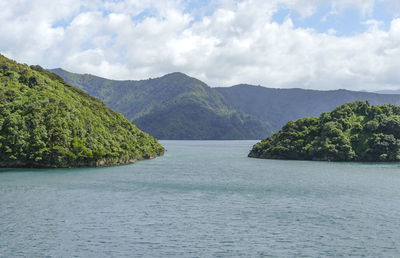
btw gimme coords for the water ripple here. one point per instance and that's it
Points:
(203, 199)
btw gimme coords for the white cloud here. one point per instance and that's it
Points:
(237, 43)
(366, 6)
(309, 7)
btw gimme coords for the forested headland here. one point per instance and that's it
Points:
(45, 122)
(354, 131)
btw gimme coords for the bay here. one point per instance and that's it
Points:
(201, 199)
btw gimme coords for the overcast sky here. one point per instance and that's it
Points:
(316, 44)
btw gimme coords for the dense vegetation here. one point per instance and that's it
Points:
(354, 131)
(279, 106)
(45, 122)
(174, 106)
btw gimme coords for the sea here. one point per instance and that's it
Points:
(203, 199)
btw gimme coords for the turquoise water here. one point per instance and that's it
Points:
(203, 198)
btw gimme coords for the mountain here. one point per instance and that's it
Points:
(45, 122)
(174, 106)
(353, 131)
(388, 91)
(278, 106)
(177, 106)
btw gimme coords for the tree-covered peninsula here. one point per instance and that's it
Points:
(45, 122)
(354, 131)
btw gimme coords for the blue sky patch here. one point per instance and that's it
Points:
(347, 22)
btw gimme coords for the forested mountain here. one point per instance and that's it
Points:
(177, 106)
(353, 131)
(278, 106)
(174, 106)
(45, 122)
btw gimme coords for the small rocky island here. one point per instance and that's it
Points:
(354, 131)
(47, 123)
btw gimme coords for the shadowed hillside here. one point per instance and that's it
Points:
(278, 106)
(174, 106)
(177, 106)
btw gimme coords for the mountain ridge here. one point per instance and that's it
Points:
(174, 106)
(278, 106)
(261, 108)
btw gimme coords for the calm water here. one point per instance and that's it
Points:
(203, 198)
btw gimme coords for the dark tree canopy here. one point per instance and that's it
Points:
(45, 122)
(353, 131)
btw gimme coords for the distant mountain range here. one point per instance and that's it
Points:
(278, 106)
(177, 106)
(388, 91)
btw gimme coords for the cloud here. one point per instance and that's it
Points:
(365, 6)
(238, 42)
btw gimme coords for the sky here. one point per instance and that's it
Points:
(313, 44)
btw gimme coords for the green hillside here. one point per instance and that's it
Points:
(353, 131)
(174, 106)
(45, 122)
(279, 106)
(177, 106)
